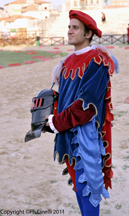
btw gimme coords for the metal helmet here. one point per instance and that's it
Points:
(45, 103)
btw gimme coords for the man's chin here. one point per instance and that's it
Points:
(70, 42)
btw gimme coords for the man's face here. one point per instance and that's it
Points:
(76, 34)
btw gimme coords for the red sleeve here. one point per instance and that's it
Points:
(72, 116)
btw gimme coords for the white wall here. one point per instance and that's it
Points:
(117, 20)
(37, 14)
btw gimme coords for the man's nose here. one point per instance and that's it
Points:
(70, 31)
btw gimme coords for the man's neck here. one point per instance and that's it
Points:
(83, 50)
(81, 47)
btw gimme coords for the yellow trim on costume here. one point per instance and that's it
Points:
(63, 70)
(105, 160)
(88, 106)
(65, 171)
(103, 133)
(110, 70)
(97, 123)
(70, 179)
(107, 98)
(104, 63)
(98, 62)
(100, 133)
(63, 159)
(96, 113)
(83, 68)
(110, 104)
(74, 73)
(105, 141)
(65, 73)
(109, 81)
(108, 88)
(103, 123)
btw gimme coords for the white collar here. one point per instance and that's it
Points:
(84, 50)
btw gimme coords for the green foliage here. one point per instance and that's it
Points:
(63, 54)
(126, 157)
(113, 166)
(120, 113)
(11, 57)
(53, 181)
(12, 30)
(105, 212)
(73, 208)
(118, 206)
(124, 167)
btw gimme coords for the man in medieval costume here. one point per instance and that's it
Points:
(83, 121)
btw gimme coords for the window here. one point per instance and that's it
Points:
(75, 3)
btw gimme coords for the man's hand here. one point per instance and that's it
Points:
(46, 125)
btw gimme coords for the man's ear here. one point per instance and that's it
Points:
(89, 34)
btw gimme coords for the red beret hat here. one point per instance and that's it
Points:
(86, 19)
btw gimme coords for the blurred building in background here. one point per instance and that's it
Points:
(94, 4)
(39, 16)
(1, 12)
(36, 8)
(118, 3)
(24, 15)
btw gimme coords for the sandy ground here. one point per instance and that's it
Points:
(29, 178)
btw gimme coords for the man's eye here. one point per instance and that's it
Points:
(75, 27)
(69, 27)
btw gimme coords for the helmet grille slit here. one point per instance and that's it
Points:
(45, 103)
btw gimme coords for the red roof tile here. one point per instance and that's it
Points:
(41, 2)
(17, 2)
(14, 17)
(24, 2)
(29, 8)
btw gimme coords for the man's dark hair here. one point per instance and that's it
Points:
(86, 30)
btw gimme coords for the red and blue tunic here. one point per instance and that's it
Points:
(84, 120)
